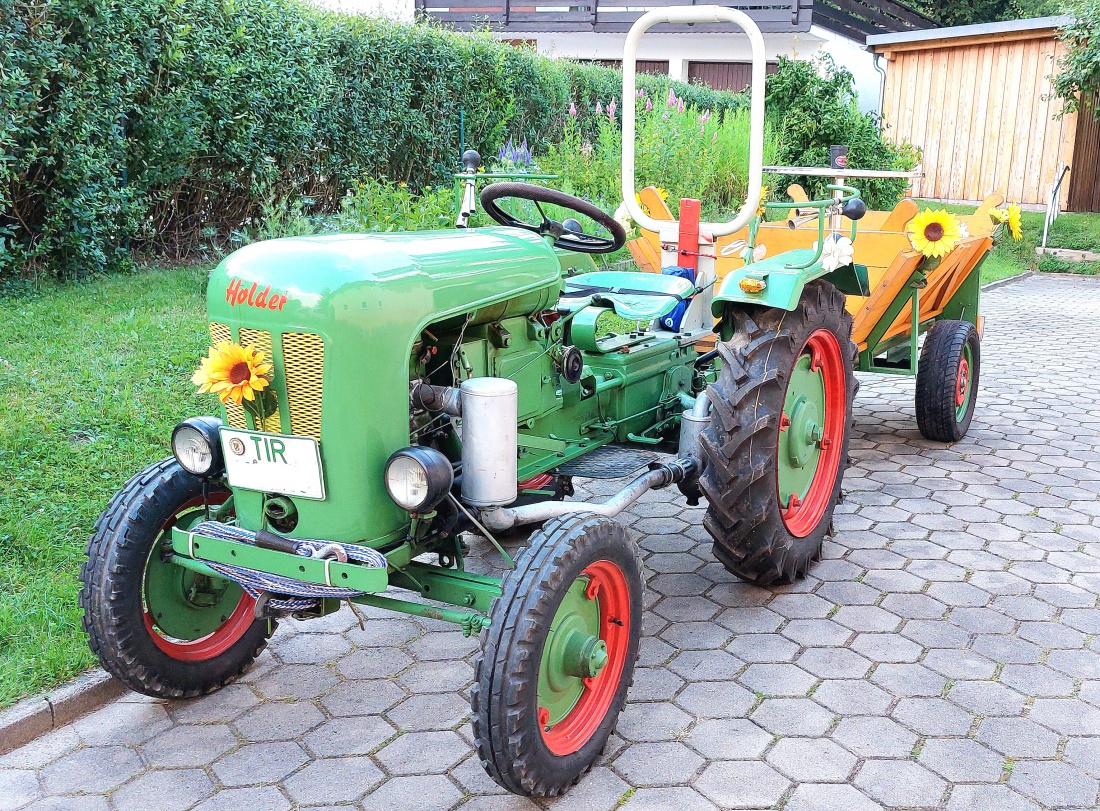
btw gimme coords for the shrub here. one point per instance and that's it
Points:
(159, 125)
(812, 105)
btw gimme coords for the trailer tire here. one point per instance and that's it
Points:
(763, 533)
(539, 728)
(947, 380)
(122, 556)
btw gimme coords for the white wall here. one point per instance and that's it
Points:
(679, 49)
(848, 54)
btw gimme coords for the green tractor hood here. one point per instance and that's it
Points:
(339, 316)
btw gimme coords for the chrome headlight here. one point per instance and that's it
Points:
(418, 478)
(196, 444)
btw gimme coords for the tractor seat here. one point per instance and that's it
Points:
(632, 295)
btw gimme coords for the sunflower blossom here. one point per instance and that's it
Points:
(233, 372)
(1015, 222)
(934, 233)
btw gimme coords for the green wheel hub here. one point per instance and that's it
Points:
(801, 430)
(573, 653)
(182, 604)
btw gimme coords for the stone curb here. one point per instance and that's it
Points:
(1027, 274)
(1069, 255)
(34, 717)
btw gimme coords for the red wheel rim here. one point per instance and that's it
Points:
(221, 640)
(607, 581)
(962, 382)
(801, 517)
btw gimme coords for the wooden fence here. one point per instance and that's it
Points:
(981, 110)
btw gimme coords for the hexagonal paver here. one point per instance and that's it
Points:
(169, 790)
(268, 798)
(1051, 783)
(742, 784)
(961, 760)
(872, 736)
(189, 745)
(411, 793)
(260, 763)
(729, 739)
(355, 735)
(279, 721)
(793, 716)
(423, 752)
(652, 721)
(333, 780)
(900, 783)
(96, 769)
(810, 760)
(667, 763)
(825, 797)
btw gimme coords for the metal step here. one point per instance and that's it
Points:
(609, 462)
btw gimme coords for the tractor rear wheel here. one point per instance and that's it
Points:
(947, 380)
(777, 444)
(558, 656)
(159, 628)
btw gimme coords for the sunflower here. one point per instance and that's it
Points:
(934, 233)
(233, 372)
(1014, 222)
(763, 201)
(998, 215)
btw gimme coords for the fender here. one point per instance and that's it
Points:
(784, 279)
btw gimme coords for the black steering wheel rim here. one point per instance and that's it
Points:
(570, 240)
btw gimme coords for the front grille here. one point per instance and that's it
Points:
(303, 359)
(303, 368)
(261, 340)
(234, 414)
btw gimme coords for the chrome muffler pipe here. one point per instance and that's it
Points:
(500, 519)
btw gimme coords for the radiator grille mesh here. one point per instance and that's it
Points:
(234, 414)
(303, 368)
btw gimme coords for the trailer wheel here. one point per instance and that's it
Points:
(947, 380)
(558, 656)
(777, 445)
(160, 629)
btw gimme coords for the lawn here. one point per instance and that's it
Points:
(92, 379)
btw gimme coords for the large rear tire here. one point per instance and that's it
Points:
(777, 445)
(558, 657)
(158, 628)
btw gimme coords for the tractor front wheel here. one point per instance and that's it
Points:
(777, 445)
(558, 656)
(947, 380)
(159, 628)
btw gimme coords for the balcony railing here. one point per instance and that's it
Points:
(604, 15)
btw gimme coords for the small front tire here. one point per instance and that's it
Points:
(947, 380)
(558, 657)
(161, 629)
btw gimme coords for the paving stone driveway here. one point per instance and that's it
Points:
(945, 654)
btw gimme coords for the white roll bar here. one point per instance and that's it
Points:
(695, 14)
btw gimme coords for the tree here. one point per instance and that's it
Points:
(1079, 75)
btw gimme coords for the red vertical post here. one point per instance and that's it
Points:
(689, 233)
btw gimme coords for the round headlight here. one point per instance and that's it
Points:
(418, 478)
(196, 446)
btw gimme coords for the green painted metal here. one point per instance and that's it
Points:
(799, 443)
(311, 570)
(448, 585)
(186, 604)
(471, 621)
(784, 282)
(851, 280)
(369, 297)
(572, 653)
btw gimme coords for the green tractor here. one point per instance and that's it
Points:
(398, 391)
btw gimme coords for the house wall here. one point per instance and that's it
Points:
(979, 109)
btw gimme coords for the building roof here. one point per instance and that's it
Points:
(958, 31)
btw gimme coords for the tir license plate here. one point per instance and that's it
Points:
(273, 463)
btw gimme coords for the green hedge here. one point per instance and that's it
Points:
(158, 126)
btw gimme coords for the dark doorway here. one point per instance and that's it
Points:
(734, 76)
(1084, 173)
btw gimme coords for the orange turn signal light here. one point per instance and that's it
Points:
(751, 285)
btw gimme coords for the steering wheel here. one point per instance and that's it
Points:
(567, 235)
